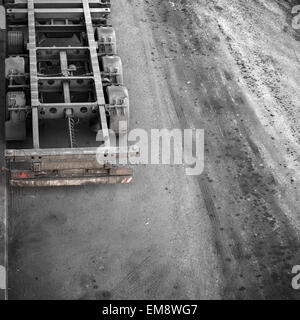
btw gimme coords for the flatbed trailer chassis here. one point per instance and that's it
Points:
(62, 64)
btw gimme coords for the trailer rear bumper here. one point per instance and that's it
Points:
(70, 178)
(69, 167)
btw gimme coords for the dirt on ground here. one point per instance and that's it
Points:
(232, 69)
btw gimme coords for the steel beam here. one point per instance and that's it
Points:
(57, 3)
(72, 13)
(69, 105)
(67, 78)
(33, 74)
(71, 181)
(67, 11)
(64, 71)
(25, 155)
(62, 48)
(70, 172)
(103, 132)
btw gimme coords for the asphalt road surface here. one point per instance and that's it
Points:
(231, 68)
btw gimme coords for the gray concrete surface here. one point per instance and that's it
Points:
(228, 233)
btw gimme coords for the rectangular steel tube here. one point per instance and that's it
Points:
(23, 155)
(72, 181)
(33, 75)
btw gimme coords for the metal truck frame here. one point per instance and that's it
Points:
(62, 63)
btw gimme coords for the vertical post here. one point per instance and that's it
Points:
(33, 74)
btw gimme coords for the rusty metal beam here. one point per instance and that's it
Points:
(61, 10)
(71, 177)
(23, 155)
(69, 105)
(64, 71)
(56, 3)
(62, 48)
(72, 181)
(71, 13)
(33, 74)
(66, 77)
(74, 172)
(103, 132)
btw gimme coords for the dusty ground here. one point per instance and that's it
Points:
(232, 68)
